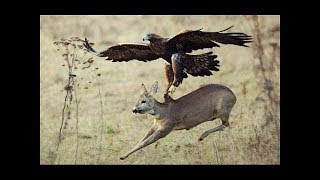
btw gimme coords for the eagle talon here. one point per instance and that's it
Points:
(172, 89)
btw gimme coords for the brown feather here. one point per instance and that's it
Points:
(177, 68)
(195, 65)
(169, 75)
(200, 65)
(125, 52)
(193, 40)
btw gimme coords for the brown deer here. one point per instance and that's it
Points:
(207, 103)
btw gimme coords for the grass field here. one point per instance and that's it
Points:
(104, 127)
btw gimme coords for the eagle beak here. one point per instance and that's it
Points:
(145, 38)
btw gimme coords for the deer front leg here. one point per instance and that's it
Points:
(158, 134)
(152, 130)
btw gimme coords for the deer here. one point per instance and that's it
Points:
(207, 103)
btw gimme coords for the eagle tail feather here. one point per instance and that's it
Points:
(202, 65)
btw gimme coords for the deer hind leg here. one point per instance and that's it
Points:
(225, 123)
(158, 134)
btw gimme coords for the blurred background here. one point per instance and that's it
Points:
(100, 126)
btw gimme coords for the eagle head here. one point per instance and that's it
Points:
(151, 37)
(176, 56)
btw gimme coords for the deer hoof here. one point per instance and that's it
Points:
(122, 158)
(200, 139)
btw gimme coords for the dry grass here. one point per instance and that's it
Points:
(105, 134)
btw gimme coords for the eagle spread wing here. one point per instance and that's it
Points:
(196, 65)
(193, 40)
(125, 52)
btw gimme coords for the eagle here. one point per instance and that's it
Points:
(175, 52)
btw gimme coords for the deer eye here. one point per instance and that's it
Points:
(143, 101)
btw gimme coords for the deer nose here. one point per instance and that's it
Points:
(134, 110)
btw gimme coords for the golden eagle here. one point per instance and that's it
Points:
(174, 50)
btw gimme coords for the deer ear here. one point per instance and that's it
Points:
(143, 89)
(154, 88)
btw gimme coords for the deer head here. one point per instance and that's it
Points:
(146, 101)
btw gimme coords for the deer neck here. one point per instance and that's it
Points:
(159, 110)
